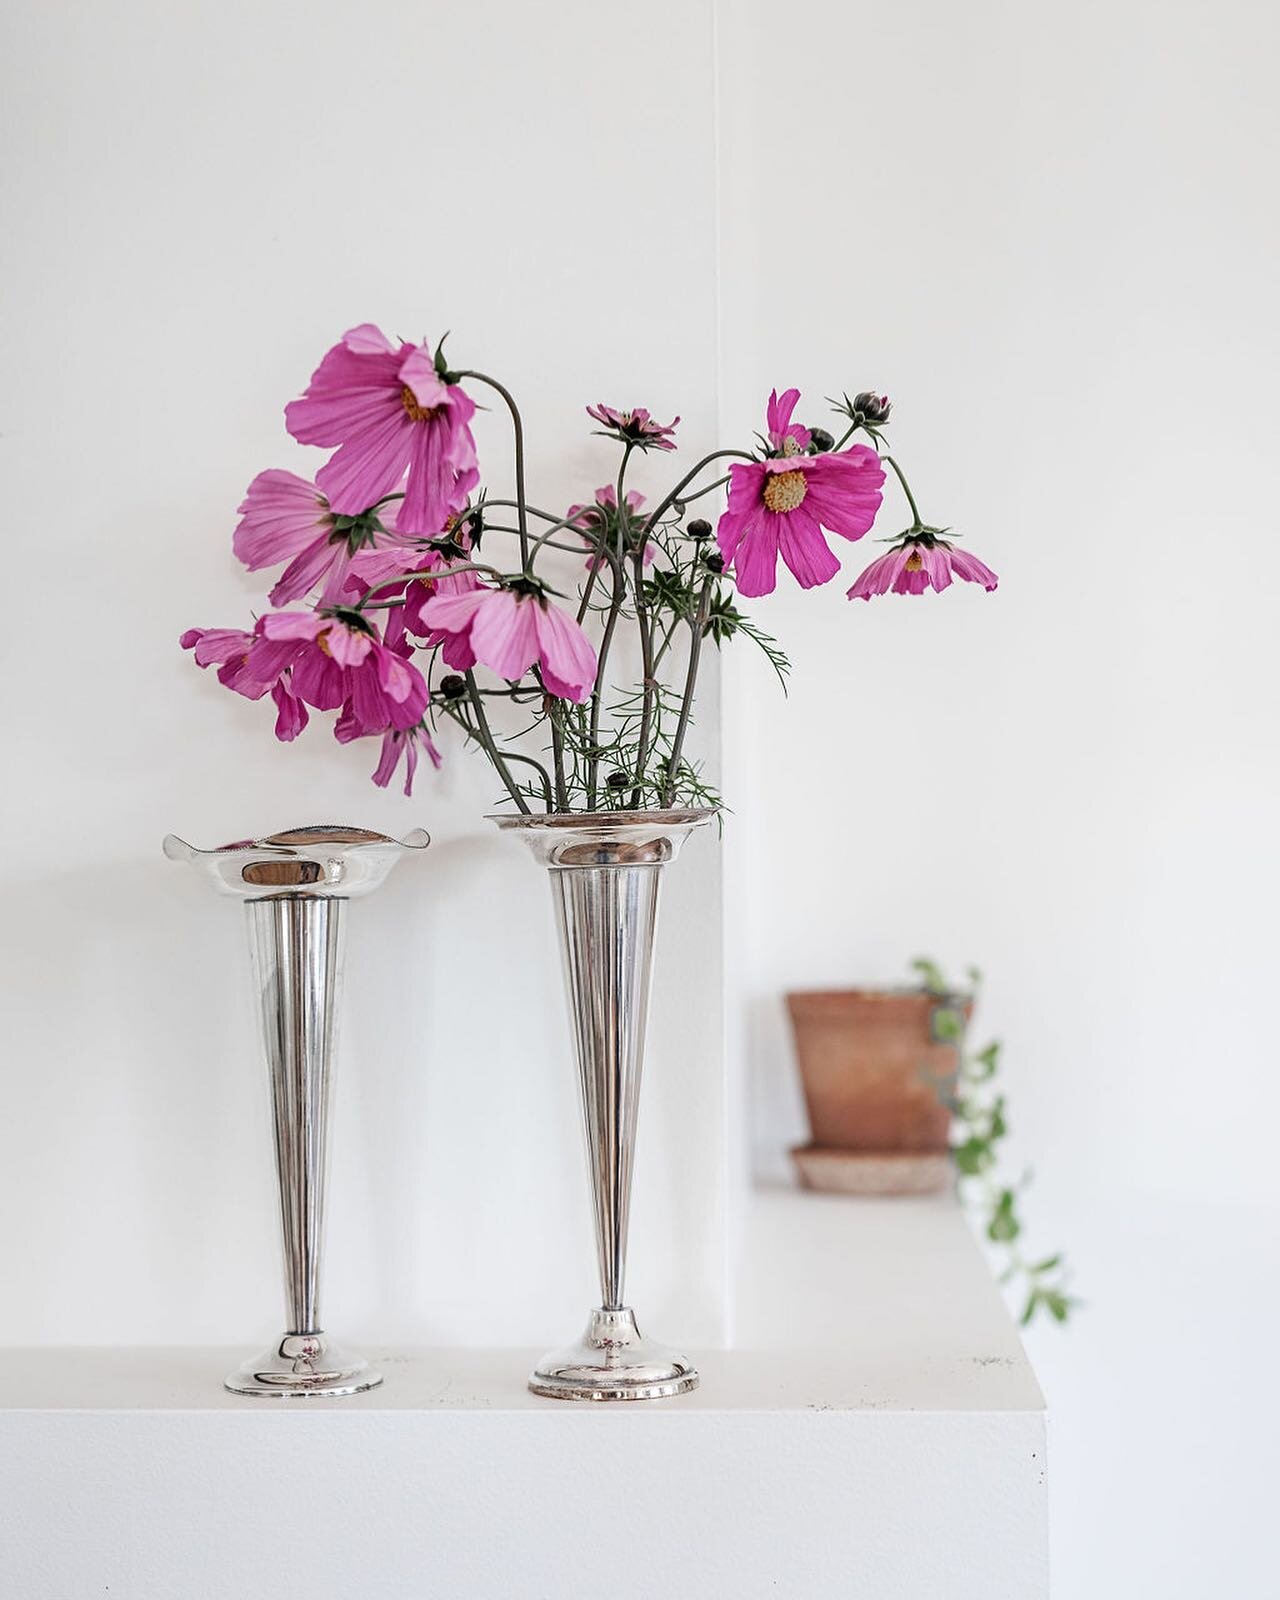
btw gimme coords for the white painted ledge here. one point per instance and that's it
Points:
(876, 1433)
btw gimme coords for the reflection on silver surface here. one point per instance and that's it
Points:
(295, 886)
(606, 873)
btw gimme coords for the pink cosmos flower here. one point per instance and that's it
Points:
(338, 660)
(285, 518)
(913, 567)
(605, 521)
(396, 743)
(636, 426)
(781, 505)
(231, 648)
(388, 410)
(508, 630)
(424, 572)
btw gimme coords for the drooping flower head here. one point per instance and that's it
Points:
(230, 648)
(781, 505)
(510, 629)
(390, 410)
(920, 563)
(335, 658)
(603, 522)
(443, 567)
(284, 518)
(397, 744)
(636, 427)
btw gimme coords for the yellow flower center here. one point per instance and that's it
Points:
(413, 410)
(784, 491)
(914, 561)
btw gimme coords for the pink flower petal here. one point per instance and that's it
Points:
(805, 551)
(568, 657)
(504, 634)
(964, 566)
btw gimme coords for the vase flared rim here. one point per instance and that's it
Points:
(324, 858)
(688, 818)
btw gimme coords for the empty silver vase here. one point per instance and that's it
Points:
(606, 873)
(296, 886)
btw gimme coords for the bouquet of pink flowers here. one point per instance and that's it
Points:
(393, 594)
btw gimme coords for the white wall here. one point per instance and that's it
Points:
(199, 200)
(1051, 233)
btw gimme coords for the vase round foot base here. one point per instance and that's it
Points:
(301, 1365)
(613, 1361)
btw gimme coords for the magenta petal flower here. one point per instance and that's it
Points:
(333, 661)
(228, 649)
(914, 566)
(388, 411)
(396, 743)
(602, 518)
(291, 714)
(637, 427)
(781, 506)
(284, 518)
(510, 631)
(780, 426)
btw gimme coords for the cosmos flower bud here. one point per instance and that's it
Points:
(618, 780)
(713, 561)
(699, 528)
(820, 441)
(872, 408)
(452, 687)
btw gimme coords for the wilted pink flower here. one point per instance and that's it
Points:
(291, 714)
(508, 630)
(424, 573)
(388, 410)
(781, 505)
(231, 647)
(285, 518)
(636, 426)
(396, 742)
(335, 660)
(914, 566)
(604, 521)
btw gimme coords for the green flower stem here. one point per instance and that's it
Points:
(710, 488)
(517, 425)
(906, 489)
(655, 517)
(413, 577)
(647, 667)
(697, 626)
(597, 694)
(490, 747)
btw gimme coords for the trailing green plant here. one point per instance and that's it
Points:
(979, 1127)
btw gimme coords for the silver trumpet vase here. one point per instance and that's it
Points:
(295, 886)
(606, 873)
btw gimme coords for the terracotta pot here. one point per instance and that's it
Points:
(872, 1070)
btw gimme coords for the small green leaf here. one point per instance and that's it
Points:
(1048, 1264)
(972, 1157)
(1004, 1226)
(930, 975)
(948, 1025)
(1057, 1304)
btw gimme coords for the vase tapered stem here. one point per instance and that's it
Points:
(296, 886)
(297, 945)
(607, 920)
(606, 874)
